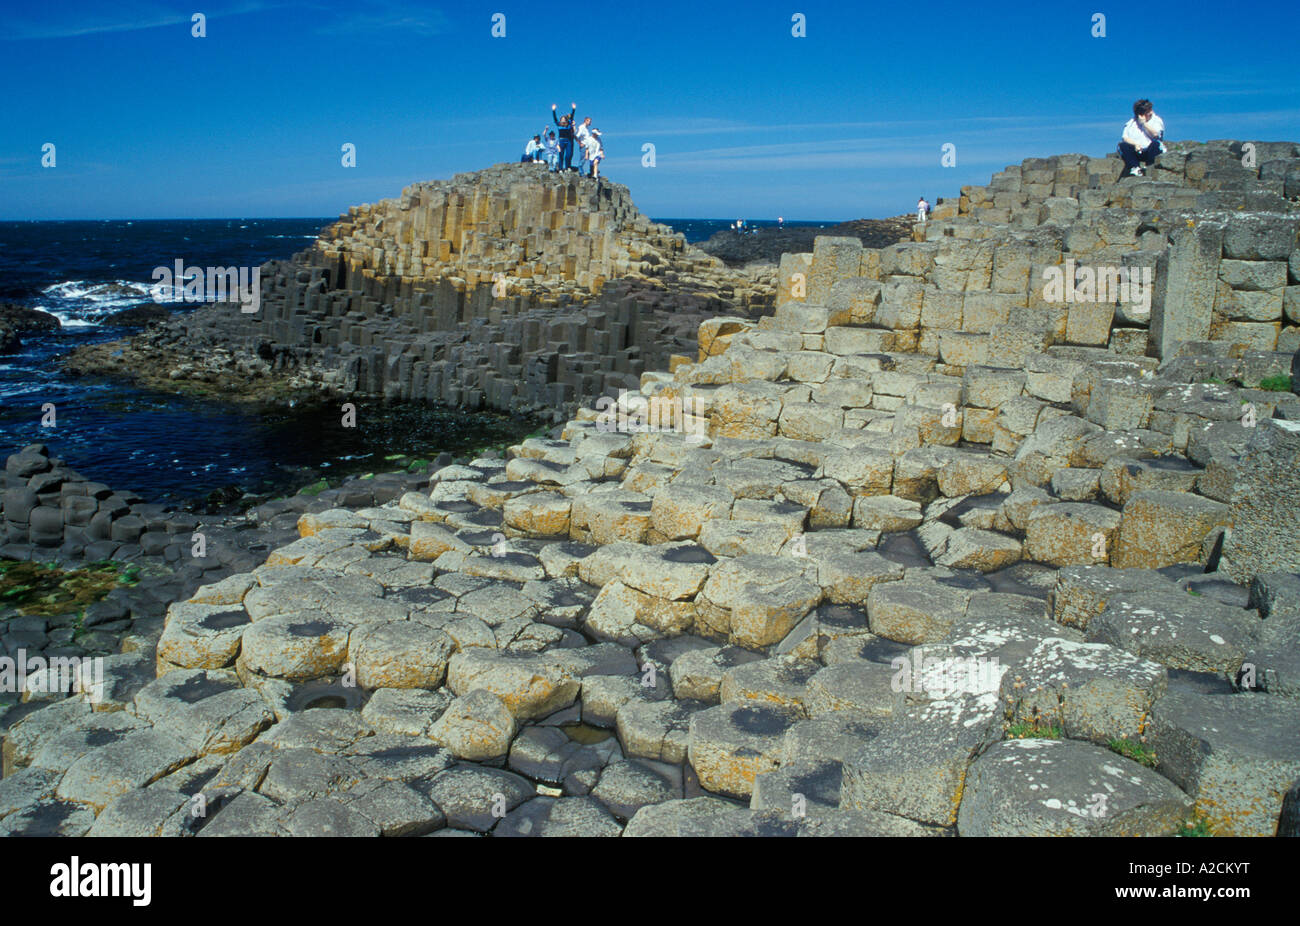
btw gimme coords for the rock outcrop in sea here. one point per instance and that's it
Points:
(938, 548)
(509, 288)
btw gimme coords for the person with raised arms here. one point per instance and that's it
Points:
(565, 124)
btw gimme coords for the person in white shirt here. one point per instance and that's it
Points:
(922, 209)
(595, 152)
(1141, 142)
(533, 150)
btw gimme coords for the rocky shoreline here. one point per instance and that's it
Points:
(924, 552)
(767, 244)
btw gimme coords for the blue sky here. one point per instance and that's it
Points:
(746, 120)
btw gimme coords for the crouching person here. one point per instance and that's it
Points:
(1141, 143)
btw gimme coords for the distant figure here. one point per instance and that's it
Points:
(780, 222)
(533, 151)
(922, 209)
(565, 124)
(1141, 142)
(593, 153)
(582, 131)
(552, 152)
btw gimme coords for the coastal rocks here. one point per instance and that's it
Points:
(1235, 755)
(877, 563)
(529, 685)
(1076, 789)
(476, 726)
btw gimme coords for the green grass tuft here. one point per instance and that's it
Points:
(1138, 752)
(1197, 827)
(1279, 383)
(1028, 730)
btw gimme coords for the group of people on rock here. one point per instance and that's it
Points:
(556, 151)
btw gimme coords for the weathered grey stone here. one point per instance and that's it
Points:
(477, 725)
(476, 798)
(1235, 755)
(627, 785)
(1041, 787)
(1177, 630)
(1091, 691)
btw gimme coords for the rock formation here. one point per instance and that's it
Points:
(510, 288)
(934, 549)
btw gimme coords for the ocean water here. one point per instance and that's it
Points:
(169, 447)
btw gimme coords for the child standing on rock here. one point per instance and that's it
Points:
(1141, 142)
(552, 153)
(565, 124)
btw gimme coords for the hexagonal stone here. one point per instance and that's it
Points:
(26, 787)
(612, 516)
(627, 785)
(916, 610)
(203, 636)
(134, 761)
(394, 757)
(322, 729)
(624, 615)
(916, 765)
(732, 743)
(780, 681)
(848, 577)
(298, 774)
(698, 674)
(538, 514)
(1044, 787)
(566, 816)
(1161, 528)
(63, 747)
(1065, 533)
(1083, 591)
(297, 646)
(655, 729)
(395, 808)
(147, 812)
(736, 538)
(478, 725)
(399, 654)
(327, 817)
(864, 688)
(478, 798)
(207, 711)
(1093, 691)
(886, 513)
(759, 599)
(1236, 755)
(530, 685)
(249, 814)
(405, 711)
(973, 548)
(679, 511)
(1177, 630)
(548, 754)
(703, 816)
(799, 789)
(837, 736)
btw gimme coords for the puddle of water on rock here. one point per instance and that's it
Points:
(585, 733)
(904, 548)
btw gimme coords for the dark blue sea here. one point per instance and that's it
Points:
(169, 447)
